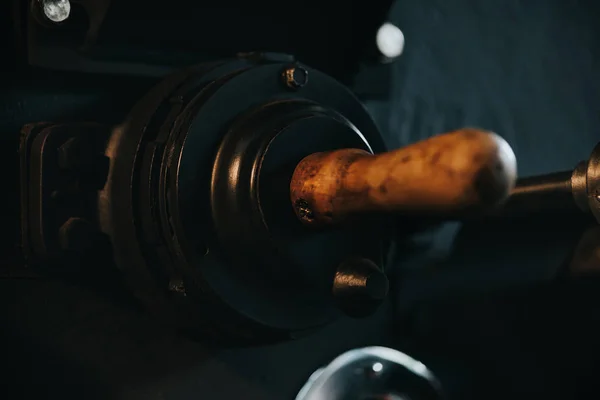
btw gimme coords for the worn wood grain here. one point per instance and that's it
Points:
(464, 170)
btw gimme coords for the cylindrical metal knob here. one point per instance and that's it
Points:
(359, 287)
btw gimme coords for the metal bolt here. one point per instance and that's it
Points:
(295, 77)
(55, 11)
(359, 287)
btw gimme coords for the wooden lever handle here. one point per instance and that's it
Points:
(445, 175)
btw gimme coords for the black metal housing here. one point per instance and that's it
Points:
(196, 200)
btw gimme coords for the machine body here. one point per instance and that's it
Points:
(201, 194)
(190, 194)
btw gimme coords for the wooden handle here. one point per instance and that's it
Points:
(445, 175)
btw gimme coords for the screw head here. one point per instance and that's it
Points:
(55, 11)
(295, 77)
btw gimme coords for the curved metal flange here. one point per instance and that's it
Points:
(372, 373)
(156, 206)
(593, 182)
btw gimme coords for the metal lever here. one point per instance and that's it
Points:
(560, 192)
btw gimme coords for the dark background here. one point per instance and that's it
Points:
(491, 314)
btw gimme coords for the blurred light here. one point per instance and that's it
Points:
(377, 367)
(390, 40)
(57, 10)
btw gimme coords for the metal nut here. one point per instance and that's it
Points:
(359, 287)
(295, 77)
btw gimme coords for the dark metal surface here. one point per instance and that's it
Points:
(88, 345)
(266, 259)
(254, 219)
(61, 168)
(167, 37)
(196, 203)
